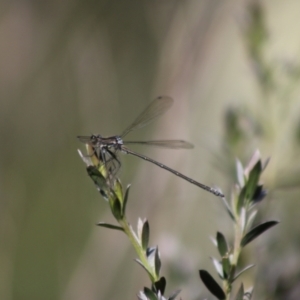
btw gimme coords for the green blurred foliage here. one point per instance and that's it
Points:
(79, 67)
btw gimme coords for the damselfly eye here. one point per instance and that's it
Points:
(119, 140)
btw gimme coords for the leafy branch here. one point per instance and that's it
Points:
(247, 193)
(112, 191)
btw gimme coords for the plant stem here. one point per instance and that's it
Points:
(138, 248)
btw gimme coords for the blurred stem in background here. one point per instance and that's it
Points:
(246, 194)
(272, 122)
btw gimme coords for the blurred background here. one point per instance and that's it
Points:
(73, 68)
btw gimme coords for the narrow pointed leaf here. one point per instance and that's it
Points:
(98, 179)
(218, 266)
(243, 218)
(240, 293)
(160, 296)
(240, 173)
(253, 161)
(241, 200)
(142, 265)
(214, 241)
(118, 190)
(242, 271)
(116, 208)
(226, 266)
(141, 296)
(252, 182)
(160, 285)
(111, 226)
(222, 244)
(212, 285)
(257, 231)
(125, 199)
(133, 234)
(151, 257)
(139, 228)
(157, 262)
(230, 213)
(145, 235)
(150, 294)
(251, 219)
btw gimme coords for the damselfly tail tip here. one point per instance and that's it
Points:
(216, 192)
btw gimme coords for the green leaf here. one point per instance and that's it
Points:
(242, 271)
(116, 207)
(125, 199)
(241, 199)
(145, 235)
(160, 285)
(240, 293)
(139, 229)
(243, 218)
(157, 262)
(98, 179)
(102, 224)
(228, 209)
(252, 182)
(141, 296)
(212, 285)
(226, 266)
(142, 265)
(240, 173)
(253, 161)
(150, 294)
(150, 253)
(256, 231)
(218, 266)
(222, 244)
(118, 191)
(251, 219)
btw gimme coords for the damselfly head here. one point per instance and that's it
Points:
(94, 139)
(119, 140)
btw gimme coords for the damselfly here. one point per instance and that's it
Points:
(107, 148)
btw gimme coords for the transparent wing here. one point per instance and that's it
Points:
(171, 144)
(156, 108)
